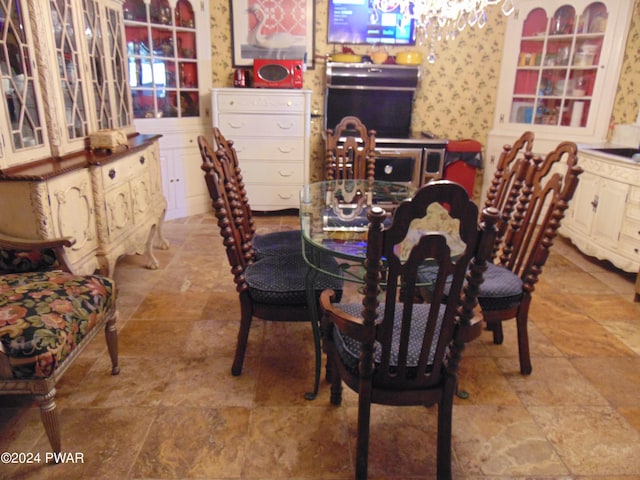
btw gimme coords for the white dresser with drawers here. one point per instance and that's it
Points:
(270, 129)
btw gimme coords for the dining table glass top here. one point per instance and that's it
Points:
(333, 214)
(333, 217)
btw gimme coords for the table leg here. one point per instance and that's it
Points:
(312, 304)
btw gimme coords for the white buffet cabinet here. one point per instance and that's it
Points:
(270, 130)
(603, 219)
(110, 203)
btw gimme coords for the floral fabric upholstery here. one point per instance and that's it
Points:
(45, 315)
(349, 348)
(18, 261)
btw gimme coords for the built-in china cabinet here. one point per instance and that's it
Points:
(168, 59)
(559, 73)
(559, 76)
(64, 77)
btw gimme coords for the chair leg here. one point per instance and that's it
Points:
(336, 382)
(523, 340)
(243, 338)
(362, 453)
(445, 418)
(496, 328)
(111, 334)
(49, 418)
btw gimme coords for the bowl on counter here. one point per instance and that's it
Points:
(346, 58)
(379, 57)
(409, 57)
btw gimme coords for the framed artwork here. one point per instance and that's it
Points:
(273, 29)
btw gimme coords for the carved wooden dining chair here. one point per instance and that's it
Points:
(349, 151)
(509, 180)
(527, 236)
(402, 354)
(286, 242)
(270, 288)
(48, 316)
(523, 242)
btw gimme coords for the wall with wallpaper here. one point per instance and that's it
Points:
(457, 93)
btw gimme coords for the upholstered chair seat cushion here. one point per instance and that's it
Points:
(500, 290)
(281, 280)
(277, 243)
(19, 261)
(349, 348)
(45, 315)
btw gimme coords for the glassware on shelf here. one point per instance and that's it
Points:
(563, 21)
(184, 14)
(163, 61)
(557, 65)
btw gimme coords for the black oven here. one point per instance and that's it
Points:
(381, 96)
(409, 160)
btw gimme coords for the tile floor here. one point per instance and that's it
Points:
(175, 411)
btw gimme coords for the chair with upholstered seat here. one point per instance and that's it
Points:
(48, 316)
(270, 288)
(528, 235)
(349, 151)
(286, 242)
(525, 236)
(509, 180)
(402, 354)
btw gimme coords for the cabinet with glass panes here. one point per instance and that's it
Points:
(162, 53)
(169, 63)
(562, 76)
(558, 66)
(63, 66)
(560, 79)
(63, 76)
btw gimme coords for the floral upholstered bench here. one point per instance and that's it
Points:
(48, 316)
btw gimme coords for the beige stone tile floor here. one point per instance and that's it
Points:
(176, 412)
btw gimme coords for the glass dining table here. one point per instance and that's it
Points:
(333, 219)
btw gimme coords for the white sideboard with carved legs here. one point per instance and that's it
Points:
(110, 203)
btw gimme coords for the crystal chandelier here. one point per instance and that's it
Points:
(442, 19)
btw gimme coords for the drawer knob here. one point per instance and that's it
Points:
(142, 160)
(285, 126)
(285, 196)
(285, 149)
(285, 173)
(112, 173)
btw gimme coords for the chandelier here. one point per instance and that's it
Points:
(438, 20)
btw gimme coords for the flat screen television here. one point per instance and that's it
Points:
(358, 22)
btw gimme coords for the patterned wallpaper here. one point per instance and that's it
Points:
(457, 93)
(627, 103)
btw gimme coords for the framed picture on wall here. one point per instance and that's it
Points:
(273, 29)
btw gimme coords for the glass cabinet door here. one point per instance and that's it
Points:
(93, 36)
(90, 69)
(115, 42)
(22, 127)
(558, 65)
(163, 68)
(70, 73)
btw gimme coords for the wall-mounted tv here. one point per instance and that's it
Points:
(359, 22)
